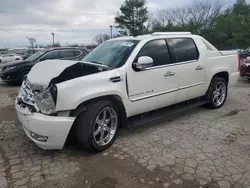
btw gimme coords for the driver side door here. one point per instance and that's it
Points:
(154, 87)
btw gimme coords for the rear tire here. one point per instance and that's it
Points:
(96, 129)
(17, 59)
(217, 93)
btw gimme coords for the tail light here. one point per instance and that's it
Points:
(238, 62)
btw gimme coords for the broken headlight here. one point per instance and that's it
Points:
(45, 102)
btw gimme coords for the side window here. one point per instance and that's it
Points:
(184, 50)
(67, 53)
(77, 53)
(158, 51)
(51, 55)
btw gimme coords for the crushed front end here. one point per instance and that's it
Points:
(35, 108)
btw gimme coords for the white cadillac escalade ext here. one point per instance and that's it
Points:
(119, 80)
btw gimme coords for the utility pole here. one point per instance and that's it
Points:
(53, 36)
(111, 31)
(73, 38)
(134, 18)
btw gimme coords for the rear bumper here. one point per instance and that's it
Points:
(56, 129)
(245, 74)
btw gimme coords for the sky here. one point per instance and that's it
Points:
(72, 21)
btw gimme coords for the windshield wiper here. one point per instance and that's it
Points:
(99, 63)
(96, 62)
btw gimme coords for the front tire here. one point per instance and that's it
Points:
(217, 93)
(97, 126)
(21, 77)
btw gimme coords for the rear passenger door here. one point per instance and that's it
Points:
(190, 68)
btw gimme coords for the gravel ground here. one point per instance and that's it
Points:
(197, 149)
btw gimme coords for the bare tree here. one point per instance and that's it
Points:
(164, 17)
(98, 39)
(32, 41)
(199, 15)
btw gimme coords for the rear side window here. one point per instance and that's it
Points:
(77, 52)
(184, 50)
(51, 55)
(67, 53)
(157, 50)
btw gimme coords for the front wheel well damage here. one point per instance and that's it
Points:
(117, 100)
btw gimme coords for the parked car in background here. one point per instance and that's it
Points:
(14, 72)
(30, 52)
(245, 68)
(244, 53)
(117, 82)
(9, 57)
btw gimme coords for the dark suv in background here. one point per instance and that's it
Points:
(14, 72)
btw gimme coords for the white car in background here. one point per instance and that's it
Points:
(9, 57)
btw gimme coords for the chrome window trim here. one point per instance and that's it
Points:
(170, 65)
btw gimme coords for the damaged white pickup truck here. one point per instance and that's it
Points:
(119, 80)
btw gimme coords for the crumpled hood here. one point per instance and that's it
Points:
(58, 71)
(42, 72)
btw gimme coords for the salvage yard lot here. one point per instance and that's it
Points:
(199, 148)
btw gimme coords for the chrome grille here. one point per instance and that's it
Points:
(26, 96)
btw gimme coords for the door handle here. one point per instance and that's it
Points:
(169, 73)
(199, 68)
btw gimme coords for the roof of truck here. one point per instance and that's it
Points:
(154, 35)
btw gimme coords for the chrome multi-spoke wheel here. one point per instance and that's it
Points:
(105, 126)
(97, 126)
(219, 93)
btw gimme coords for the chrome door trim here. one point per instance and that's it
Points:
(154, 95)
(191, 85)
(166, 92)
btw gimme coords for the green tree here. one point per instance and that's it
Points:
(133, 14)
(231, 29)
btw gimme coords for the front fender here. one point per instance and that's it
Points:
(74, 92)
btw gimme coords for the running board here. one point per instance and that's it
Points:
(163, 113)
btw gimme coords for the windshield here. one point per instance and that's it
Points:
(35, 55)
(112, 53)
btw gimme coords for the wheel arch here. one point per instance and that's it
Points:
(222, 74)
(116, 99)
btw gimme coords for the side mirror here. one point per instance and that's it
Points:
(144, 62)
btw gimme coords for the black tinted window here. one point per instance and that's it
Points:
(184, 49)
(51, 55)
(157, 50)
(67, 53)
